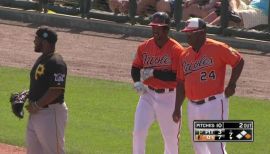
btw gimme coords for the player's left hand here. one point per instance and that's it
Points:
(230, 90)
(147, 73)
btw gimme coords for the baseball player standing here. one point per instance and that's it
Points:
(156, 63)
(48, 111)
(202, 73)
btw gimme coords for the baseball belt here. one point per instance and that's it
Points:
(199, 102)
(161, 90)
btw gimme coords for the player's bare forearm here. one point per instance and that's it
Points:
(46, 99)
(49, 96)
(236, 72)
(210, 5)
(180, 96)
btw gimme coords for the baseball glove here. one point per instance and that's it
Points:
(17, 101)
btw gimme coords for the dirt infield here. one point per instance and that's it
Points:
(9, 149)
(109, 56)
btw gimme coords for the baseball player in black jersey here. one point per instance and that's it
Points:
(48, 111)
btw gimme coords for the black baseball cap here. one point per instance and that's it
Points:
(194, 24)
(160, 19)
(47, 33)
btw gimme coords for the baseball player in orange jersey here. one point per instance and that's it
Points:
(156, 62)
(202, 73)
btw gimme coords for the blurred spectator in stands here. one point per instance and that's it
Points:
(43, 6)
(256, 13)
(85, 6)
(119, 6)
(213, 18)
(251, 13)
(147, 7)
(101, 5)
(144, 7)
(165, 6)
(198, 8)
(239, 4)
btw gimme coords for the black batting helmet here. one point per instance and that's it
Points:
(160, 19)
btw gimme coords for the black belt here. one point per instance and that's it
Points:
(203, 100)
(160, 90)
(46, 106)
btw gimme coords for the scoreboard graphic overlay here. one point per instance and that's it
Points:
(223, 130)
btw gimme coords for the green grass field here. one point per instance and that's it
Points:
(101, 118)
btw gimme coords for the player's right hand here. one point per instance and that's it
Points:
(147, 73)
(176, 115)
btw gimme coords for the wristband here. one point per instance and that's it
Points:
(37, 106)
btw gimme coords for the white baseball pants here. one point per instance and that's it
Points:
(156, 106)
(217, 109)
(45, 130)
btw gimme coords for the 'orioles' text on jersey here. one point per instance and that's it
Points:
(49, 71)
(149, 55)
(204, 72)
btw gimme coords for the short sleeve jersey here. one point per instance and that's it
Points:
(49, 71)
(149, 55)
(204, 72)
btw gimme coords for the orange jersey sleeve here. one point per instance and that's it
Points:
(137, 62)
(149, 55)
(204, 72)
(230, 56)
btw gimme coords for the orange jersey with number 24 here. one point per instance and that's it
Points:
(204, 72)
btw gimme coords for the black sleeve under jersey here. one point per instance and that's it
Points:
(135, 74)
(165, 75)
(159, 74)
